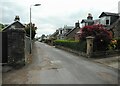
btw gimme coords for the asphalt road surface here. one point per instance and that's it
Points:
(50, 65)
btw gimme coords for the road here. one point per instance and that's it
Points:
(50, 65)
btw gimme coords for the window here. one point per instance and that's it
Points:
(60, 31)
(107, 22)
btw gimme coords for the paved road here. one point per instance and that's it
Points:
(54, 66)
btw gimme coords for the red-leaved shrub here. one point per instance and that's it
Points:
(102, 36)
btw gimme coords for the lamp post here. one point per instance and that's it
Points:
(31, 27)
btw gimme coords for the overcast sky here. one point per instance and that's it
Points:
(53, 14)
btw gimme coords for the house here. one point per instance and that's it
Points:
(107, 18)
(71, 34)
(88, 21)
(54, 35)
(64, 31)
(15, 25)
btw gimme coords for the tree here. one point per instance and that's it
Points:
(1, 26)
(102, 36)
(33, 30)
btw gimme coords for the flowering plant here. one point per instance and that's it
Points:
(102, 36)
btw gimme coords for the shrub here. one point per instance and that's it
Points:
(75, 45)
(102, 36)
(118, 43)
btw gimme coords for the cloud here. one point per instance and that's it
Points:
(46, 29)
(53, 14)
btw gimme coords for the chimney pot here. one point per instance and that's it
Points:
(17, 18)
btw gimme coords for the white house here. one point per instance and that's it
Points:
(107, 18)
(63, 31)
(88, 21)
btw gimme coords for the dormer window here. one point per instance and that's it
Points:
(105, 20)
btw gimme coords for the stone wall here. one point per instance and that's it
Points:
(27, 47)
(72, 51)
(116, 28)
(0, 47)
(89, 50)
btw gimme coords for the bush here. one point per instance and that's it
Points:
(102, 36)
(118, 43)
(75, 45)
(114, 44)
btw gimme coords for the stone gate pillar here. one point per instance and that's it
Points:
(16, 47)
(89, 45)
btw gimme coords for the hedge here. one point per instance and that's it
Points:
(75, 45)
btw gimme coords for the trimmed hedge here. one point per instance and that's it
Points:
(75, 45)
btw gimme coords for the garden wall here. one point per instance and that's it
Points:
(80, 49)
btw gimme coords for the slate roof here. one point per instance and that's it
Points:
(108, 14)
(86, 20)
(116, 23)
(17, 24)
(55, 33)
(115, 27)
(71, 31)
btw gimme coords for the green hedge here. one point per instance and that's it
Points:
(75, 45)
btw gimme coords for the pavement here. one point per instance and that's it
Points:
(110, 61)
(49, 65)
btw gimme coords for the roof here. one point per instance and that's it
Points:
(108, 14)
(79, 32)
(86, 21)
(72, 31)
(17, 24)
(116, 23)
(55, 33)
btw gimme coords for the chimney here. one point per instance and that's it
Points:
(90, 16)
(17, 18)
(119, 8)
(77, 24)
